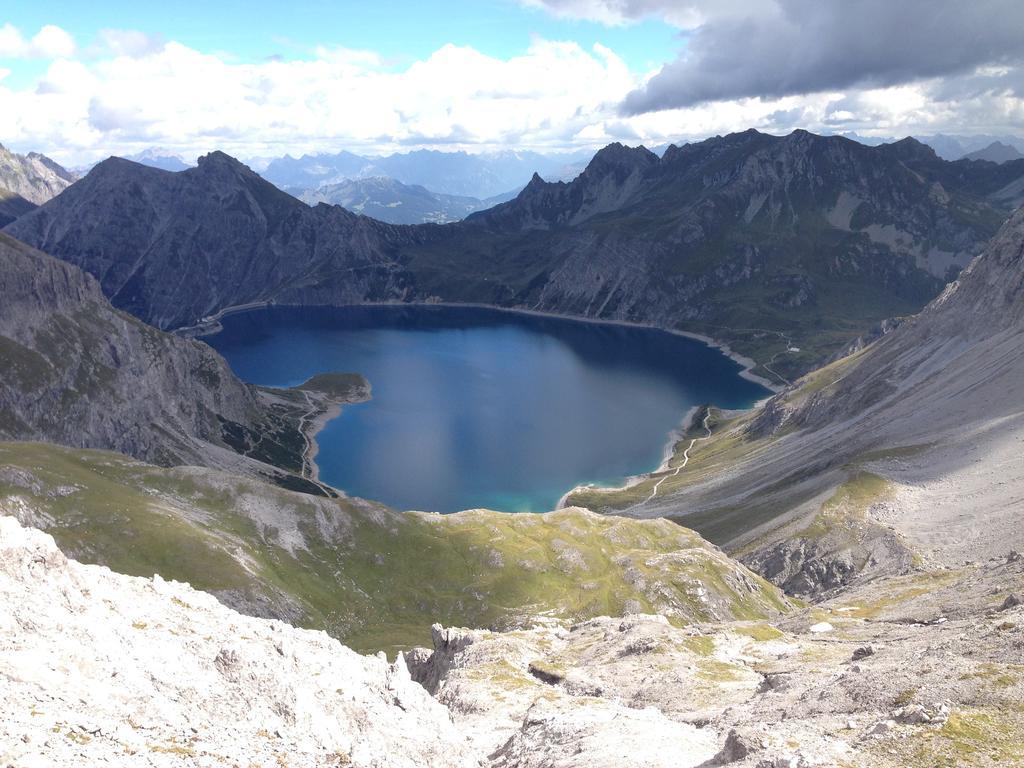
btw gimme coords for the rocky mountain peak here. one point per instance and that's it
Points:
(34, 177)
(219, 163)
(113, 164)
(621, 160)
(910, 148)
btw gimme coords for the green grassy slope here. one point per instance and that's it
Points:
(373, 577)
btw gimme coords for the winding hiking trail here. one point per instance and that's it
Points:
(685, 461)
(309, 470)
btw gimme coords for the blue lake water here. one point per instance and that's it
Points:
(481, 408)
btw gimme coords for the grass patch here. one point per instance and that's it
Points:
(341, 387)
(851, 501)
(760, 632)
(899, 590)
(975, 737)
(374, 578)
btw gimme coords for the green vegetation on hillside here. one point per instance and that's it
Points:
(342, 387)
(375, 578)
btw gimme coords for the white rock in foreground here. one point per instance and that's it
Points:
(96, 668)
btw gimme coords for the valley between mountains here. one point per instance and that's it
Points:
(832, 578)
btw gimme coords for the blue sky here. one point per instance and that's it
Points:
(402, 31)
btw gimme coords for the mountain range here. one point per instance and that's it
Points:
(391, 201)
(480, 176)
(883, 488)
(34, 178)
(996, 152)
(947, 146)
(787, 248)
(157, 157)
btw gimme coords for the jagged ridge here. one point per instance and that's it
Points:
(815, 239)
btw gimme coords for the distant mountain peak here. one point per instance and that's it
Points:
(33, 176)
(217, 156)
(912, 148)
(996, 152)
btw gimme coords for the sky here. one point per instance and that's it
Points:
(82, 79)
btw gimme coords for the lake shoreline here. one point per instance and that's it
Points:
(676, 436)
(211, 325)
(746, 363)
(316, 420)
(313, 427)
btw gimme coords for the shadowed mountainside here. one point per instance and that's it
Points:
(768, 243)
(75, 371)
(905, 451)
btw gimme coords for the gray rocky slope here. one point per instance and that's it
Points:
(34, 177)
(100, 668)
(75, 371)
(763, 241)
(174, 247)
(905, 451)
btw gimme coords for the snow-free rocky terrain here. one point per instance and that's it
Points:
(756, 240)
(906, 452)
(884, 487)
(100, 668)
(97, 668)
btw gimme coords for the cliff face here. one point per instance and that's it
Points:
(34, 177)
(78, 372)
(769, 243)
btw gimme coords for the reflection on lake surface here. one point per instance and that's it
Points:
(481, 408)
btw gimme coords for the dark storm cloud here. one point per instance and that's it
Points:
(788, 47)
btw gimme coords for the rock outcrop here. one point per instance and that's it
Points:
(938, 677)
(77, 372)
(99, 668)
(33, 177)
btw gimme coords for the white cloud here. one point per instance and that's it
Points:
(134, 94)
(685, 14)
(50, 42)
(183, 98)
(130, 42)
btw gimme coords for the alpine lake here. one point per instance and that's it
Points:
(476, 407)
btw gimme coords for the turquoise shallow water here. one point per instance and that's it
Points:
(481, 408)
